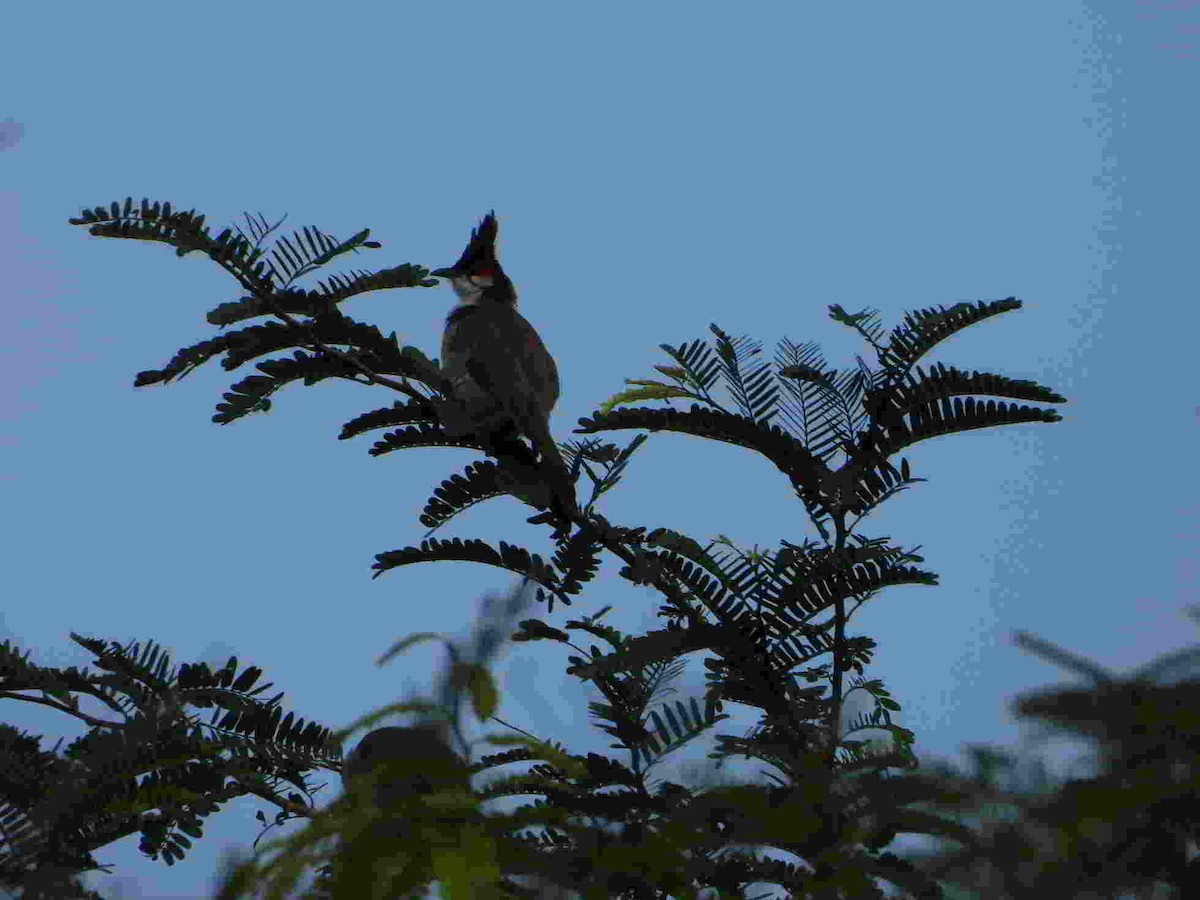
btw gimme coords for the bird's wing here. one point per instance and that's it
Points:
(497, 353)
(499, 365)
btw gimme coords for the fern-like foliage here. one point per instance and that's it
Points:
(514, 559)
(867, 415)
(772, 623)
(157, 756)
(310, 319)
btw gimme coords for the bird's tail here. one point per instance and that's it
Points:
(547, 481)
(554, 469)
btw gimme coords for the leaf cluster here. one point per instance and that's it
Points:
(155, 768)
(771, 625)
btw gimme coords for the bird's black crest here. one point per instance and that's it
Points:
(481, 249)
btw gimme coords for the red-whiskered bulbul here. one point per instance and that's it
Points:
(504, 380)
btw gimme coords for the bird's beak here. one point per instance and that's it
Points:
(443, 273)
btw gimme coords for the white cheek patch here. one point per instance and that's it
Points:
(468, 292)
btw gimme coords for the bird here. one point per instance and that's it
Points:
(503, 379)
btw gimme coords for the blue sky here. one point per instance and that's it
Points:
(655, 167)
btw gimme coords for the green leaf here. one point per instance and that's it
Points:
(484, 696)
(646, 390)
(402, 645)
